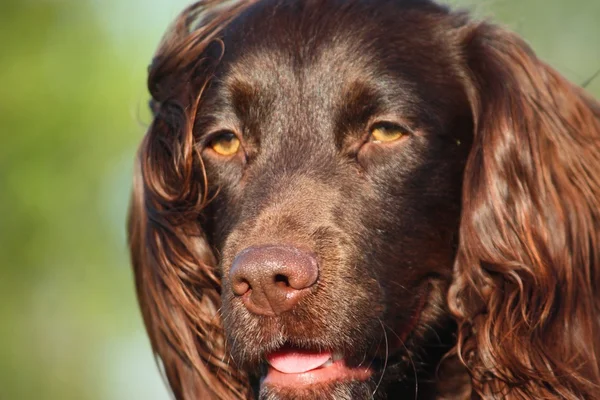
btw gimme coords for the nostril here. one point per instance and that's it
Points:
(281, 279)
(241, 286)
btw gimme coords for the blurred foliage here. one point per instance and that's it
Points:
(72, 110)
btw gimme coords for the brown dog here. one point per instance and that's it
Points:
(350, 199)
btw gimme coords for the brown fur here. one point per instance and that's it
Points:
(484, 221)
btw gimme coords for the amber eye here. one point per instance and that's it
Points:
(386, 132)
(225, 144)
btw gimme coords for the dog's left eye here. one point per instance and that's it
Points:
(387, 132)
(225, 144)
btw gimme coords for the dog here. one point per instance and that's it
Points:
(350, 199)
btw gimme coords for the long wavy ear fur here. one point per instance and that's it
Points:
(526, 291)
(177, 285)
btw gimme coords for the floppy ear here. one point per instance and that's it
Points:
(179, 295)
(177, 285)
(526, 289)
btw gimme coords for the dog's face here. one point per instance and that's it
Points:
(351, 196)
(334, 146)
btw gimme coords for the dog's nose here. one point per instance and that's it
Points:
(272, 279)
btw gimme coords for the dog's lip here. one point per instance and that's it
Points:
(290, 367)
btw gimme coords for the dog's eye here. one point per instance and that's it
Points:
(387, 132)
(225, 144)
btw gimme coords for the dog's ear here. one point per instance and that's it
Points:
(177, 284)
(526, 288)
(179, 295)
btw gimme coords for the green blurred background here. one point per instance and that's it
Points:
(72, 110)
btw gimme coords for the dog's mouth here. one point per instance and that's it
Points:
(293, 367)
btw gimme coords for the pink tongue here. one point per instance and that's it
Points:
(296, 361)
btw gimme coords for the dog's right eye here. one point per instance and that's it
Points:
(225, 144)
(387, 132)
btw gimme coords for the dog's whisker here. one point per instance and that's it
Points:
(412, 363)
(386, 357)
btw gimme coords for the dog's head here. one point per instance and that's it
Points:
(314, 171)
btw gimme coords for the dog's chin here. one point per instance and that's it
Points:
(318, 386)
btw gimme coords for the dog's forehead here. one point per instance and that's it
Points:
(336, 38)
(321, 49)
(303, 82)
(278, 76)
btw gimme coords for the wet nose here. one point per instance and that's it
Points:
(272, 279)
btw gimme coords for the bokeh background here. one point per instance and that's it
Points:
(72, 111)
